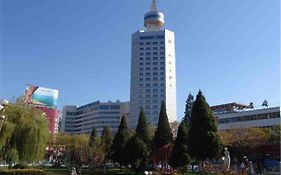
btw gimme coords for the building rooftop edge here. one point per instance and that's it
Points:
(232, 104)
(249, 110)
(95, 103)
(145, 31)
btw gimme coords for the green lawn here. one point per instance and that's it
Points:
(89, 172)
(108, 172)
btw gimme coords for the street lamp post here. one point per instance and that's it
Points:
(3, 104)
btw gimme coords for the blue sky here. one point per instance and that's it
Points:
(228, 49)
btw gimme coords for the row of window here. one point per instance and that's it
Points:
(71, 113)
(101, 107)
(148, 112)
(111, 127)
(151, 95)
(154, 90)
(149, 107)
(88, 130)
(107, 122)
(153, 58)
(152, 48)
(98, 113)
(154, 43)
(152, 16)
(69, 130)
(149, 101)
(70, 122)
(70, 118)
(107, 117)
(116, 123)
(152, 79)
(149, 73)
(87, 120)
(152, 53)
(153, 63)
(250, 117)
(98, 118)
(149, 85)
(108, 112)
(73, 130)
(151, 37)
(149, 68)
(106, 107)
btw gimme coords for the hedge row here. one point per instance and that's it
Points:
(22, 172)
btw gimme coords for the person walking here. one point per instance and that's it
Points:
(259, 166)
(251, 170)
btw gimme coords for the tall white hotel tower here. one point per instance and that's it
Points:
(153, 70)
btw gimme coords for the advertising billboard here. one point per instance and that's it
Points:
(53, 117)
(41, 96)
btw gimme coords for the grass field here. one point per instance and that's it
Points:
(89, 172)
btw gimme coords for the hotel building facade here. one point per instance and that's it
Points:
(153, 69)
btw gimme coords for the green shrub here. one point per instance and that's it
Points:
(22, 172)
(20, 166)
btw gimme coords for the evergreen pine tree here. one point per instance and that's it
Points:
(203, 140)
(138, 147)
(93, 137)
(188, 108)
(179, 155)
(142, 128)
(136, 153)
(106, 138)
(119, 141)
(163, 134)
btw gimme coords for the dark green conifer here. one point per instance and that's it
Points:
(203, 140)
(137, 149)
(179, 155)
(93, 137)
(106, 138)
(188, 108)
(119, 141)
(136, 153)
(163, 134)
(142, 128)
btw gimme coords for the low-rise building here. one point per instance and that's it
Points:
(82, 119)
(235, 115)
